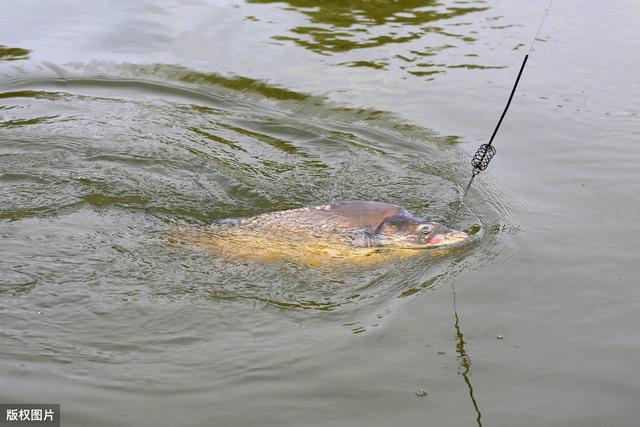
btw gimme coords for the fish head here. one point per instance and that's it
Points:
(417, 233)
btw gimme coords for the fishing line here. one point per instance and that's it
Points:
(485, 152)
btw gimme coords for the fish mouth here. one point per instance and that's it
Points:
(448, 238)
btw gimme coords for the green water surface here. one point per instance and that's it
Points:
(121, 121)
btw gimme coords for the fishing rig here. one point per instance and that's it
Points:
(485, 152)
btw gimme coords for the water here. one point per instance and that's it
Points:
(120, 122)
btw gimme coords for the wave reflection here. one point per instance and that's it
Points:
(421, 30)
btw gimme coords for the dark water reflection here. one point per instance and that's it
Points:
(13, 53)
(423, 27)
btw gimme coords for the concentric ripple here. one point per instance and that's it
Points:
(94, 191)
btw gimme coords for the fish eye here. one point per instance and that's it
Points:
(425, 229)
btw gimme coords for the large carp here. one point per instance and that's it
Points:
(346, 229)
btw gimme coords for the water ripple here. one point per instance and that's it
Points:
(128, 160)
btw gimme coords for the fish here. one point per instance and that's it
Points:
(343, 230)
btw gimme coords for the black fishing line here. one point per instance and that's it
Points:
(485, 152)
